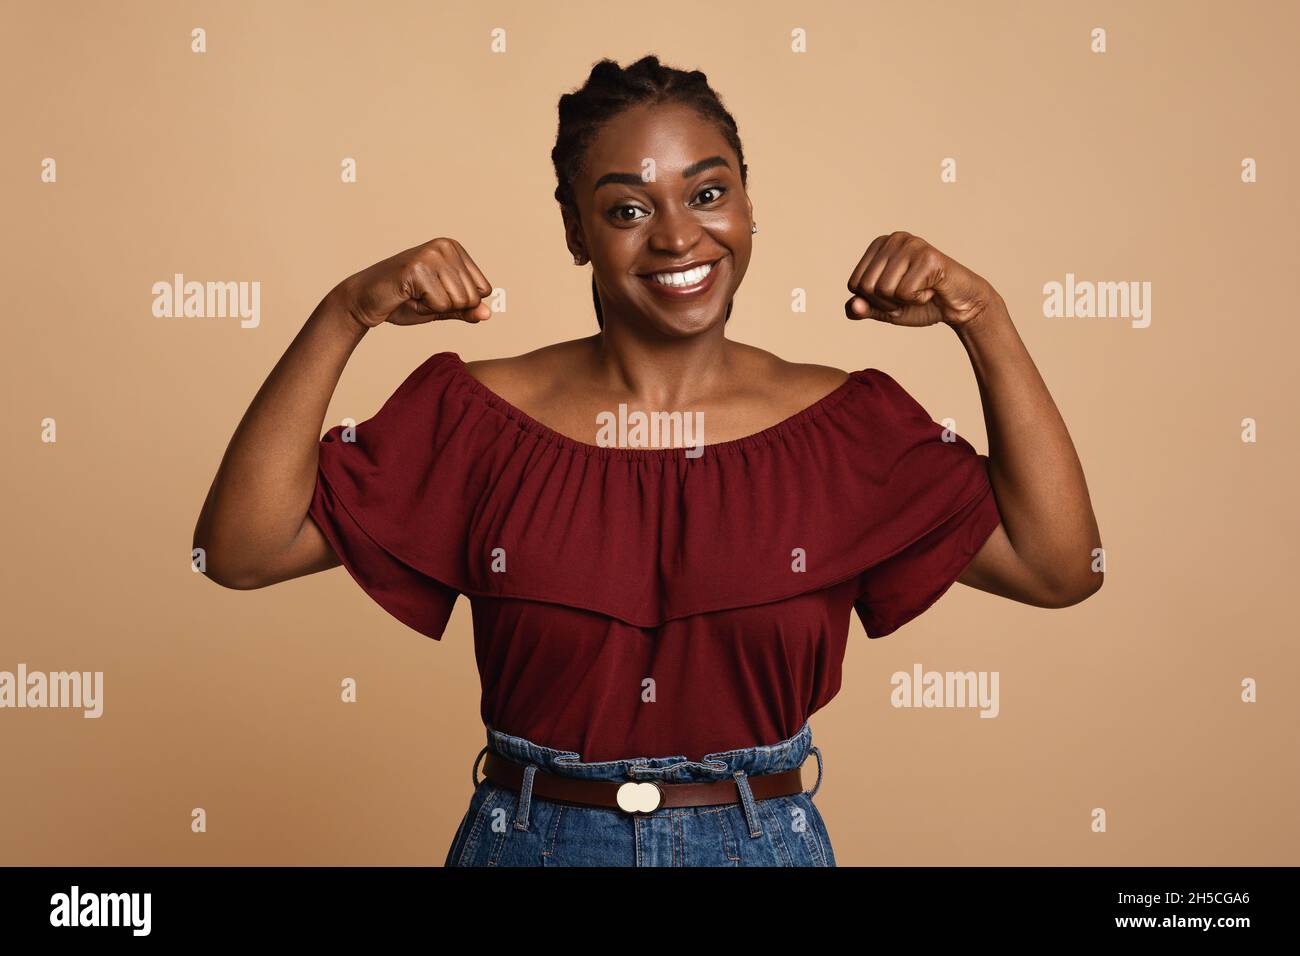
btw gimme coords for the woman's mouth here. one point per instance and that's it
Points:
(683, 283)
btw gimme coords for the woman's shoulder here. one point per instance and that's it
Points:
(794, 385)
(522, 378)
(556, 361)
(762, 387)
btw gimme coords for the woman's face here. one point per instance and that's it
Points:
(695, 210)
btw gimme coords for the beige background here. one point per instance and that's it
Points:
(1123, 166)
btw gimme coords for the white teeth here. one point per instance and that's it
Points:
(689, 277)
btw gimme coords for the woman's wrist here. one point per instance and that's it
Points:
(989, 319)
(338, 312)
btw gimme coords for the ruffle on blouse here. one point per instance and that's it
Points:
(451, 490)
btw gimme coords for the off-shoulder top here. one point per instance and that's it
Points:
(641, 602)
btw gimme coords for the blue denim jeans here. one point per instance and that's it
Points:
(505, 828)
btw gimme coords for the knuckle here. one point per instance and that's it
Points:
(434, 249)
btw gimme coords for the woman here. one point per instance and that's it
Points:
(654, 622)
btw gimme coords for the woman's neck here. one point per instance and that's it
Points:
(662, 372)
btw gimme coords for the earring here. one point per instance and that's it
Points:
(753, 229)
(577, 260)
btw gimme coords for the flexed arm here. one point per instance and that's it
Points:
(254, 526)
(1044, 551)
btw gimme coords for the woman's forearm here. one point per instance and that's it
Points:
(264, 485)
(1035, 472)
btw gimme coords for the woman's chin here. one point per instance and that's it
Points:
(685, 326)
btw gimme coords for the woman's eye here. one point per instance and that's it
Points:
(617, 211)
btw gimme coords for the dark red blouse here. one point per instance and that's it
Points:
(638, 602)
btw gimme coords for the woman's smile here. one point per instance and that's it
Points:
(677, 284)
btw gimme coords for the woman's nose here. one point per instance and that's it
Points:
(674, 231)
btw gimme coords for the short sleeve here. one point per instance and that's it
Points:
(373, 488)
(948, 500)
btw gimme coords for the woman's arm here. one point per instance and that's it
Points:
(1043, 552)
(254, 528)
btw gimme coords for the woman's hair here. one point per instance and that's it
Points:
(610, 89)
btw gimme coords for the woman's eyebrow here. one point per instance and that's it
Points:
(633, 179)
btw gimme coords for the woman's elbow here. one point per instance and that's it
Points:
(218, 566)
(236, 579)
(1070, 593)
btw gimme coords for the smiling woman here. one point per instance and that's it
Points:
(653, 626)
(632, 96)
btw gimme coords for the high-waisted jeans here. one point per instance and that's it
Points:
(505, 828)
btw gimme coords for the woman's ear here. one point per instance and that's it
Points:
(573, 236)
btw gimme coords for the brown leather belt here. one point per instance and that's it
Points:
(638, 797)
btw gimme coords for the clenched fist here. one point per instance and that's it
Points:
(435, 280)
(904, 280)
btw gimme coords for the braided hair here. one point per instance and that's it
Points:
(610, 89)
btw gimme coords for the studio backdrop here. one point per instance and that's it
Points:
(1123, 174)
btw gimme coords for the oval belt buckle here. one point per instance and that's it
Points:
(639, 797)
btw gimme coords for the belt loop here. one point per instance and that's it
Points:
(525, 797)
(818, 785)
(473, 771)
(747, 801)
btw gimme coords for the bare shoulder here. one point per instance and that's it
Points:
(541, 379)
(802, 383)
(521, 378)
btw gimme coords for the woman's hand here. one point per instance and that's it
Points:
(903, 280)
(436, 280)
